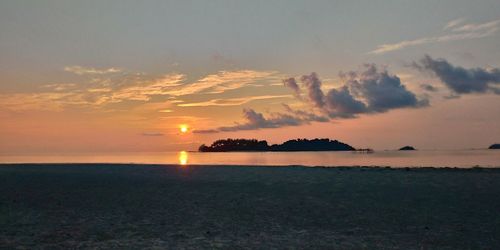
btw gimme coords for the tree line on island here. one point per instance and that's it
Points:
(324, 144)
(228, 145)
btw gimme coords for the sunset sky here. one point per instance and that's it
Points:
(120, 76)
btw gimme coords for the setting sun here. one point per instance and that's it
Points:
(183, 128)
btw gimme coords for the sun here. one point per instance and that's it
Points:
(183, 128)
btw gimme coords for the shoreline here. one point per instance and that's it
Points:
(415, 168)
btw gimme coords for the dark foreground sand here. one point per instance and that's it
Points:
(147, 206)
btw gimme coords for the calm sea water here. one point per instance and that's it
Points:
(420, 158)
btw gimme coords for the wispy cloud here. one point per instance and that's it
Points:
(165, 111)
(453, 23)
(144, 90)
(103, 89)
(175, 85)
(472, 27)
(459, 31)
(60, 86)
(225, 80)
(50, 101)
(231, 101)
(80, 70)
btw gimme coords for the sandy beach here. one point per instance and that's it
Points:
(120, 206)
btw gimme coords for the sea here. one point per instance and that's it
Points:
(486, 158)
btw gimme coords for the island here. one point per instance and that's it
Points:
(249, 145)
(405, 148)
(495, 146)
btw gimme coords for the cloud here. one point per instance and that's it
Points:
(313, 87)
(461, 80)
(105, 88)
(400, 45)
(306, 116)
(292, 84)
(342, 104)
(462, 32)
(223, 81)
(145, 90)
(79, 70)
(174, 85)
(428, 87)
(152, 134)
(255, 120)
(368, 91)
(453, 23)
(60, 86)
(165, 111)
(139, 89)
(231, 101)
(364, 92)
(47, 101)
(472, 27)
(381, 90)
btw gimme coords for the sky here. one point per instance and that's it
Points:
(124, 76)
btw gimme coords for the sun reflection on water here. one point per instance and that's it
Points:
(183, 158)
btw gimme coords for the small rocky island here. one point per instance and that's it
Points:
(495, 146)
(407, 148)
(242, 145)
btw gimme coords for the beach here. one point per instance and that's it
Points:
(132, 206)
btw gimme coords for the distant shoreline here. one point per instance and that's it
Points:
(363, 168)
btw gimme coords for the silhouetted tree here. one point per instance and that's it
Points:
(407, 148)
(228, 145)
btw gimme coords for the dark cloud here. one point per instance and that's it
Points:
(459, 79)
(255, 120)
(381, 90)
(292, 84)
(341, 103)
(428, 87)
(152, 134)
(313, 87)
(451, 96)
(306, 116)
(368, 91)
(205, 131)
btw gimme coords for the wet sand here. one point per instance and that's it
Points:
(124, 206)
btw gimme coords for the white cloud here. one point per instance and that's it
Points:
(80, 70)
(493, 25)
(459, 32)
(453, 23)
